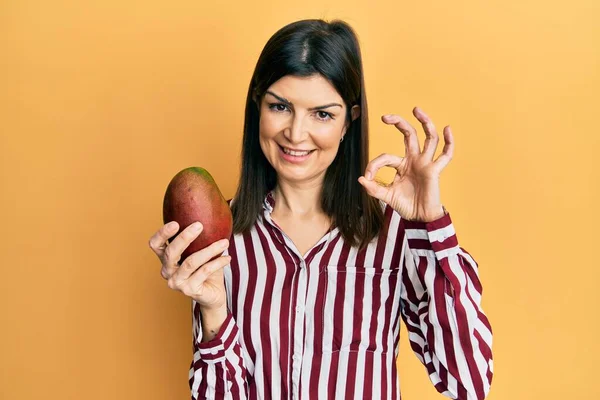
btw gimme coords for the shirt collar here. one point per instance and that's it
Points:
(269, 202)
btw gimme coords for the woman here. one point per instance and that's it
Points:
(305, 301)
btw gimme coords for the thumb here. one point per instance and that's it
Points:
(373, 188)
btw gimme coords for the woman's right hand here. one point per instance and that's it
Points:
(198, 277)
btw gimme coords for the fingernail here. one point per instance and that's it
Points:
(196, 226)
(224, 243)
(171, 225)
(369, 176)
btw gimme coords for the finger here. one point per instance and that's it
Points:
(198, 259)
(431, 137)
(383, 160)
(158, 241)
(172, 253)
(373, 188)
(204, 272)
(411, 140)
(448, 151)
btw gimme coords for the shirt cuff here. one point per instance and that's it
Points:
(214, 350)
(438, 235)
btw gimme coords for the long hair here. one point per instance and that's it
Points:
(305, 48)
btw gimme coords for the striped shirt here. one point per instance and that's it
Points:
(326, 325)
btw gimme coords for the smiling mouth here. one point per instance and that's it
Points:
(295, 153)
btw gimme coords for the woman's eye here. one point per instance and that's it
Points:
(322, 115)
(278, 107)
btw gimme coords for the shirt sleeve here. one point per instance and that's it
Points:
(441, 307)
(217, 370)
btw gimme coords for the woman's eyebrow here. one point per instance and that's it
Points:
(289, 103)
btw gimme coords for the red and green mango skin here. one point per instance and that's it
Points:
(193, 195)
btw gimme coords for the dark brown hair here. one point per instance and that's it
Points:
(306, 48)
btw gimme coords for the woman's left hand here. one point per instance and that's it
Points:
(414, 193)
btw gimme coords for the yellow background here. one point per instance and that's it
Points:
(102, 103)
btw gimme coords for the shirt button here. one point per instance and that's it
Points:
(299, 309)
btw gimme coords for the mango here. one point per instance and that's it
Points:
(193, 195)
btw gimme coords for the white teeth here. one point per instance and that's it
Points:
(295, 153)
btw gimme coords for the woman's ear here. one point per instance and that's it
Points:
(355, 112)
(256, 98)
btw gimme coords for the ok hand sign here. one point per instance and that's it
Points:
(414, 193)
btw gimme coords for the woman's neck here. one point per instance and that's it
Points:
(298, 201)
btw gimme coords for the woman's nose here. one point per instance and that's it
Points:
(296, 131)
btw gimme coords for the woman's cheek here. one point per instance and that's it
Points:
(271, 124)
(330, 135)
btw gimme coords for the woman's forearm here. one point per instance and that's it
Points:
(212, 320)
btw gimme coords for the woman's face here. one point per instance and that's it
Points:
(302, 120)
